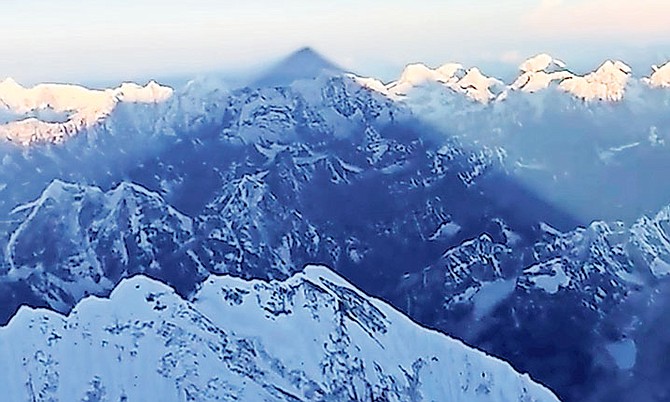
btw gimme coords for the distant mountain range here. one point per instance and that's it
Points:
(53, 112)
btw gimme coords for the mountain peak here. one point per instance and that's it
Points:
(660, 76)
(479, 87)
(307, 51)
(540, 72)
(541, 62)
(607, 83)
(303, 64)
(9, 82)
(614, 66)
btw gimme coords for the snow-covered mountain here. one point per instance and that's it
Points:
(471, 83)
(313, 337)
(650, 240)
(248, 231)
(595, 285)
(660, 77)
(385, 200)
(54, 112)
(539, 72)
(439, 192)
(76, 240)
(608, 83)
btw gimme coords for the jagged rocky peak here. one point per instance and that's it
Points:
(311, 337)
(419, 73)
(471, 82)
(304, 64)
(540, 72)
(248, 231)
(75, 240)
(649, 236)
(607, 83)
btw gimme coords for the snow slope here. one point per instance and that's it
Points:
(313, 337)
(607, 83)
(54, 112)
(472, 82)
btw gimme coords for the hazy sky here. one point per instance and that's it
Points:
(84, 40)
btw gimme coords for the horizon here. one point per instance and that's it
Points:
(148, 39)
(506, 72)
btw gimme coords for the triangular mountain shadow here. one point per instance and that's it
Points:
(305, 63)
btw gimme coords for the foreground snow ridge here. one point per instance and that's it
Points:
(313, 337)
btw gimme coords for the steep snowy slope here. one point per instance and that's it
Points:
(248, 231)
(76, 240)
(313, 337)
(588, 293)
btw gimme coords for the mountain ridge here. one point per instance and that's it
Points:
(53, 113)
(77, 107)
(150, 342)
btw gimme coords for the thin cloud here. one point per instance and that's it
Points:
(511, 57)
(599, 18)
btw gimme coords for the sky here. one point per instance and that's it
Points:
(84, 41)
